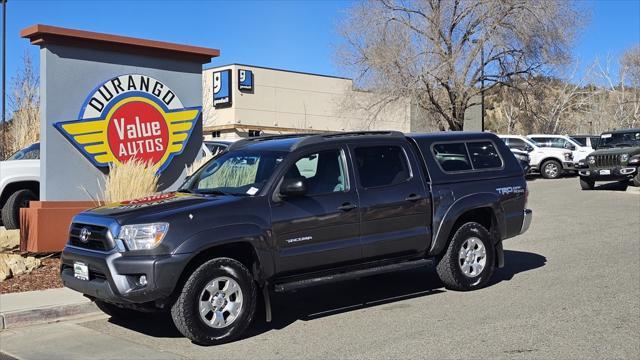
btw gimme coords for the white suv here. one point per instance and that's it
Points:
(562, 142)
(19, 184)
(550, 162)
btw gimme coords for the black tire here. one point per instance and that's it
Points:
(636, 179)
(118, 312)
(11, 209)
(185, 311)
(449, 265)
(586, 184)
(547, 173)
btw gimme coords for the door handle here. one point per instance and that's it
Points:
(347, 206)
(413, 197)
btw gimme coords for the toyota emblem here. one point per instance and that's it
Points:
(84, 234)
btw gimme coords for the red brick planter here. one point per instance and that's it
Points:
(44, 225)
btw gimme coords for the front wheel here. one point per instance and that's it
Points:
(636, 179)
(11, 210)
(586, 184)
(217, 302)
(469, 261)
(551, 169)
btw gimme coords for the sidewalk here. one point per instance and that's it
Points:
(18, 309)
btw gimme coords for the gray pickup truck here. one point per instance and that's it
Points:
(273, 214)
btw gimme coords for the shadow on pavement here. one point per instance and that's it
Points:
(318, 302)
(613, 186)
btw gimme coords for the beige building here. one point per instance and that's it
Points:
(253, 100)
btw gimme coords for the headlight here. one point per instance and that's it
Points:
(522, 157)
(624, 157)
(143, 236)
(568, 156)
(591, 159)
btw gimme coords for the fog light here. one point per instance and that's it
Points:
(142, 280)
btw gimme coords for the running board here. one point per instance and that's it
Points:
(326, 279)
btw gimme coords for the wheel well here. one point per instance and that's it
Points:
(19, 185)
(550, 158)
(240, 251)
(483, 216)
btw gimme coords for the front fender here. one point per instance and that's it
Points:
(461, 206)
(228, 234)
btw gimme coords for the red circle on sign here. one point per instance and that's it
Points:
(137, 130)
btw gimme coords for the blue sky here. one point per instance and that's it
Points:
(294, 35)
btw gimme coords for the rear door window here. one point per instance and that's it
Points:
(381, 166)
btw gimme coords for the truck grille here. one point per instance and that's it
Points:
(98, 238)
(607, 160)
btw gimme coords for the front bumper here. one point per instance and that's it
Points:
(113, 277)
(614, 174)
(568, 165)
(526, 221)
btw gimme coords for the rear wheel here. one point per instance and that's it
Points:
(551, 169)
(469, 261)
(217, 303)
(586, 184)
(11, 210)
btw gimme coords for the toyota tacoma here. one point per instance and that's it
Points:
(274, 214)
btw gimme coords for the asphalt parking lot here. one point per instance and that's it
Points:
(570, 289)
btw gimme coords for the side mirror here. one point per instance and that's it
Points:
(569, 146)
(293, 187)
(529, 148)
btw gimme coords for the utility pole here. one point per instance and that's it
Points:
(4, 60)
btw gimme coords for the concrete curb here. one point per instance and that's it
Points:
(19, 318)
(633, 190)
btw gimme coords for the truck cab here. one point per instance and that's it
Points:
(578, 151)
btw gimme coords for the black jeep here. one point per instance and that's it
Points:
(617, 158)
(285, 212)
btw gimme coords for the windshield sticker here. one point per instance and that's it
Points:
(252, 191)
(606, 136)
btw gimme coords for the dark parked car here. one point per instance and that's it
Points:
(617, 159)
(285, 212)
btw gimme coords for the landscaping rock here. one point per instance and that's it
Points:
(9, 239)
(14, 264)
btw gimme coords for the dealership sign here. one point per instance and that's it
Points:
(131, 116)
(222, 89)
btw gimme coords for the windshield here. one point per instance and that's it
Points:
(631, 138)
(29, 153)
(235, 173)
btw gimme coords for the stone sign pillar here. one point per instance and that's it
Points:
(106, 99)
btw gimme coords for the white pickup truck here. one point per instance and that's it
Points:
(19, 184)
(562, 142)
(550, 162)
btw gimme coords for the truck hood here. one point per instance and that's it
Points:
(631, 150)
(159, 206)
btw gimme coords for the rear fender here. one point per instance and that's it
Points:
(459, 208)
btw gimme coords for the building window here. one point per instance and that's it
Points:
(215, 134)
(254, 133)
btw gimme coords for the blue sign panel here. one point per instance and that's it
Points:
(222, 89)
(245, 80)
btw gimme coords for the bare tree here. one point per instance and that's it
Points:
(430, 50)
(23, 127)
